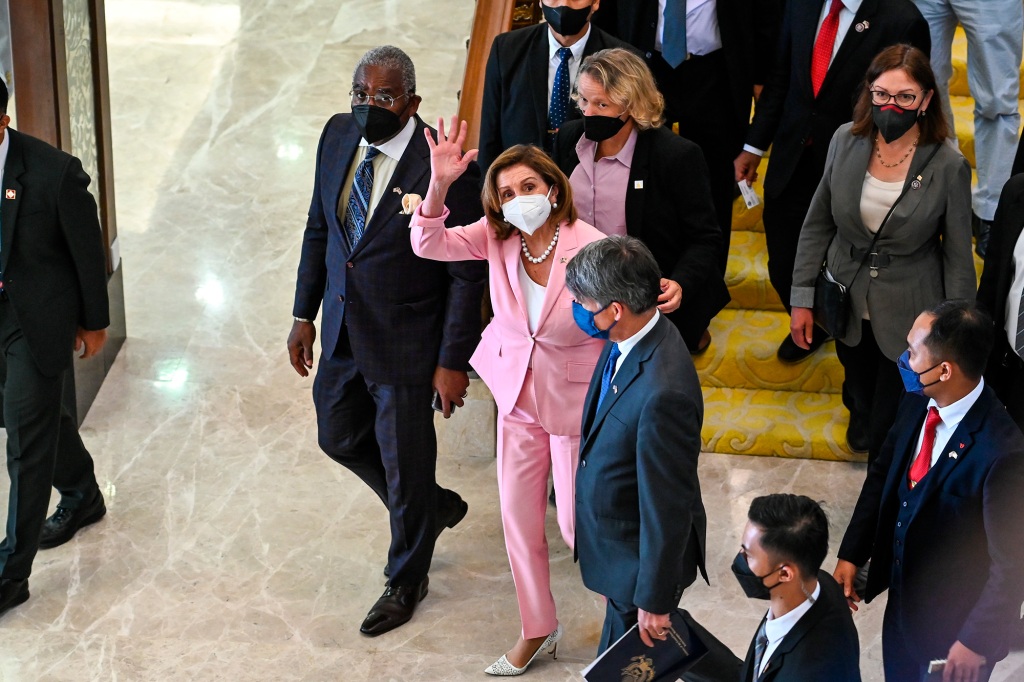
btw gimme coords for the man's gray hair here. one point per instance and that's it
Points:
(615, 269)
(390, 57)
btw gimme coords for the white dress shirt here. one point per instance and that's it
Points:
(574, 62)
(533, 294)
(776, 629)
(951, 416)
(1012, 299)
(383, 168)
(702, 33)
(630, 343)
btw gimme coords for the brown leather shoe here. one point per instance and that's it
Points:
(394, 608)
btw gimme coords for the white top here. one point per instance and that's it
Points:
(574, 62)
(383, 168)
(702, 33)
(533, 294)
(951, 416)
(776, 629)
(876, 198)
(628, 344)
(1013, 310)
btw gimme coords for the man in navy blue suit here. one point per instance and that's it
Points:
(940, 511)
(395, 328)
(640, 521)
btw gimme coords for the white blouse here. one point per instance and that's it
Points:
(876, 198)
(534, 295)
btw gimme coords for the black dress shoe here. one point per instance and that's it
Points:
(448, 518)
(394, 608)
(857, 435)
(65, 522)
(12, 593)
(790, 353)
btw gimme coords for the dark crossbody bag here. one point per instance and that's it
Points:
(831, 298)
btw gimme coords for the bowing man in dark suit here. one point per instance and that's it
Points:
(531, 73)
(1001, 294)
(824, 50)
(709, 58)
(53, 298)
(395, 327)
(640, 522)
(940, 511)
(808, 633)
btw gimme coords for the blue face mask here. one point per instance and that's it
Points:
(911, 379)
(585, 321)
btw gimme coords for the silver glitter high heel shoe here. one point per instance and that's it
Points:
(502, 668)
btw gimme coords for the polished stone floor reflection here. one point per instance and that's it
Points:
(233, 548)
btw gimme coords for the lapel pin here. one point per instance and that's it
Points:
(615, 389)
(962, 446)
(638, 184)
(916, 183)
(11, 194)
(563, 260)
(952, 454)
(396, 190)
(862, 26)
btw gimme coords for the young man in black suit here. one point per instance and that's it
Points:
(808, 633)
(525, 99)
(395, 328)
(640, 521)
(53, 298)
(939, 514)
(803, 103)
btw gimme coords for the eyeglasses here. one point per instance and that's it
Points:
(382, 99)
(902, 99)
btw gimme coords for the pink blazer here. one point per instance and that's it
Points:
(563, 356)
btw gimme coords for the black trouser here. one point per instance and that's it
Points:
(44, 449)
(872, 387)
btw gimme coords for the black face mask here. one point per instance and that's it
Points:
(598, 128)
(752, 584)
(566, 21)
(893, 121)
(376, 123)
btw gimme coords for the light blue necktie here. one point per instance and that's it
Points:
(359, 198)
(608, 373)
(559, 93)
(673, 41)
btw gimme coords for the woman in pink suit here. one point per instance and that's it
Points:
(532, 356)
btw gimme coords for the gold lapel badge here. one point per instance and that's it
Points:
(11, 194)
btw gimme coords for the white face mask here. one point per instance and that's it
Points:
(528, 212)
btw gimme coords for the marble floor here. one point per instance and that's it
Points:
(233, 548)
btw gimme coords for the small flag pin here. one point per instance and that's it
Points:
(952, 454)
(396, 190)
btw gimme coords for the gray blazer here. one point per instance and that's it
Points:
(924, 253)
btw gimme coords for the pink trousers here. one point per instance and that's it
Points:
(526, 453)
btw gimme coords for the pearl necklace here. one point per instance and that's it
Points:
(547, 252)
(878, 153)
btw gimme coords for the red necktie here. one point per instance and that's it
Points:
(824, 44)
(924, 457)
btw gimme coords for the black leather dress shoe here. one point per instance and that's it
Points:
(394, 608)
(448, 518)
(789, 352)
(65, 522)
(12, 593)
(857, 435)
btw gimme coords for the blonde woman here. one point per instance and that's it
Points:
(630, 175)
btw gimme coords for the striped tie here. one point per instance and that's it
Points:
(359, 199)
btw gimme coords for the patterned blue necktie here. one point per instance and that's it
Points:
(608, 373)
(673, 41)
(359, 199)
(559, 94)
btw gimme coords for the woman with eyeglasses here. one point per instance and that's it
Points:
(534, 357)
(894, 160)
(630, 175)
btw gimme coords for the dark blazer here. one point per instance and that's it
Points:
(789, 118)
(960, 576)
(668, 207)
(640, 521)
(404, 315)
(515, 103)
(51, 255)
(1004, 366)
(823, 644)
(749, 31)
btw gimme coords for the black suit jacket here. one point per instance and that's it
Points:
(823, 644)
(789, 118)
(749, 32)
(668, 207)
(640, 521)
(404, 315)
(515, 104)
(996, 278)
(962, 572)
(51, 255)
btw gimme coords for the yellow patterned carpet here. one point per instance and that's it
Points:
(754, 404)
